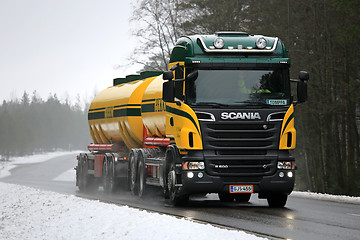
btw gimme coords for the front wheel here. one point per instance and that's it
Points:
(277, 200)
(175, 198)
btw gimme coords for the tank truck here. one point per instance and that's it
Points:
(220, 120)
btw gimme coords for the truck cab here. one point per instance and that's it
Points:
(234, 90)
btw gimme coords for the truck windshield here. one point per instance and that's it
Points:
(238, 87)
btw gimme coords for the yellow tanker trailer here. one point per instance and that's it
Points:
(219, 121)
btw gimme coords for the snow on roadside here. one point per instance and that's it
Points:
(28, 213)
(326, 197)
(6, 166)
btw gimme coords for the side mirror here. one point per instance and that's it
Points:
(168, 91)
(302, 86)
(168, 75)
(302, 91)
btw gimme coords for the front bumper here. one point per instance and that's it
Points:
(264, 180)
(216, 184)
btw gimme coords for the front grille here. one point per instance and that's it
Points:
(240, 149)
(238, 136)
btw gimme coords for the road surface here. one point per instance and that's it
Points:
(300, 219)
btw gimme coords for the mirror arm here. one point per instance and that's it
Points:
(294, 80)
(174, 67)
(179, 80)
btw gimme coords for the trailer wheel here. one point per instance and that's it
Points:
(277, 200)
(83, 175)
(132, 174)
(175, 198)
(105, 175)
(108, 178)
(141, 177)
(111, 176)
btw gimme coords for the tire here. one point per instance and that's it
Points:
(78, 171)
(105, 173)
(174, 197)
(111, 177)
(226, 197)
(242, 197)
(83, 176)
(141, 177)
(132, 174)
(277, 200)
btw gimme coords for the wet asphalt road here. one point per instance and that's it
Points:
(300, 219)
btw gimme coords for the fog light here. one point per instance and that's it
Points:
(290, 174)
(281, 174)
(200, 175)
(190, 174)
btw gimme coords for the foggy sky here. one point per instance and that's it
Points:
(66, 47)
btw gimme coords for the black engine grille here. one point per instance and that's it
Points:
(240, 148)
(240, 136)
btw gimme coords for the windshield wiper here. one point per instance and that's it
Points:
(214, 104)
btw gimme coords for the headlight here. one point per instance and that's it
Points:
(286, 165)
(193, 165)
(261, 43)
(219, 42)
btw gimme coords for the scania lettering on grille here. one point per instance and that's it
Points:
(240, 115)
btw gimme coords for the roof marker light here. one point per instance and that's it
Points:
(261, 43)
(219, 42)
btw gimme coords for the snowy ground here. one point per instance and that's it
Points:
(6, 166)
(327, 197)
(28, 213)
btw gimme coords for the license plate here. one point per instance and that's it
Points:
(241, 189)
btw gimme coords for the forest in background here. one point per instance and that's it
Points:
(322, 38)
(30, 125)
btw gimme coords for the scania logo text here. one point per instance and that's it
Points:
(240, 115)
